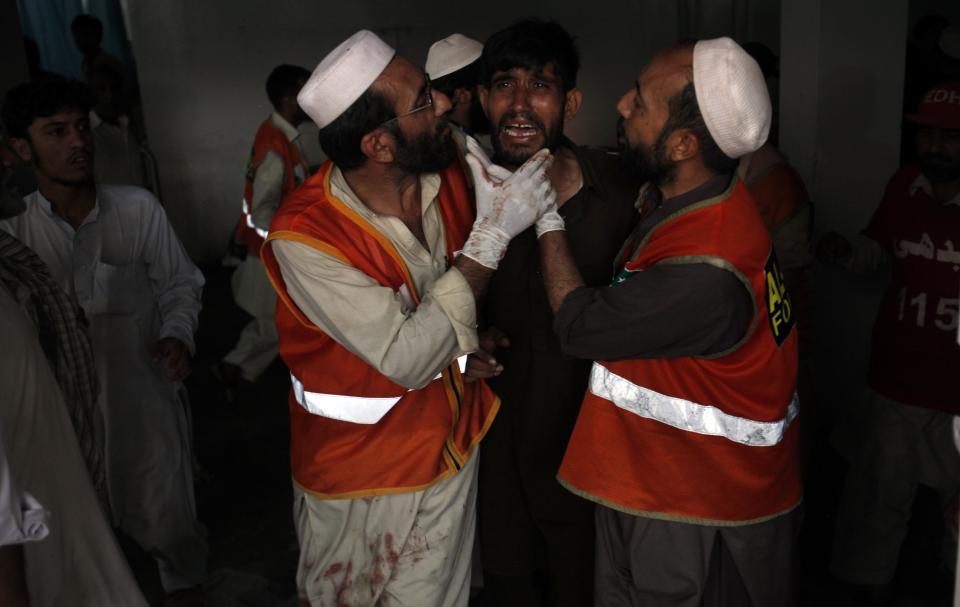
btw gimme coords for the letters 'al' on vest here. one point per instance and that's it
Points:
(430, 433)
(268, 138)
(699, 439)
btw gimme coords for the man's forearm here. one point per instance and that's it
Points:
(560, 273)
(476, 275)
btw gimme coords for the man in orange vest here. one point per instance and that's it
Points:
(687, 436)
(275, 169)
(378, 260)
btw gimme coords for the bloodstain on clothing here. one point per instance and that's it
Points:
(340, 585)
(392, 555)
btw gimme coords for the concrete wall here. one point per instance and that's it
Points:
(841, 94)
(202, 66)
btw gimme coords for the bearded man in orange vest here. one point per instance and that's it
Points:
(276, 168)
(378, 260)
(687, 436)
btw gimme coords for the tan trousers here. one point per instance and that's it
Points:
(256, 347)
(403, 550)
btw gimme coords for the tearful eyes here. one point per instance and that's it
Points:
(536, 85)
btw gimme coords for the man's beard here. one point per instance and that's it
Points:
(938, 168)
(649, 164)
(428, 152)
(552, 136)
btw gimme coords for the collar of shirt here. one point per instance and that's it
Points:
(654, 208)
(588, 174)
(922, 183)
(47, 207)
(572, 209)
(285, 127)
(709, 189)
(429, 188)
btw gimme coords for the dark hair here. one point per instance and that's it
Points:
(340, 140)
(87, 23)
(531, 44)
(685, 114)
(466, 77)
(27, 102)
(285, 81)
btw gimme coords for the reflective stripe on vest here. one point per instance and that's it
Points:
(248, 219)
(354, 409)
(687, 415)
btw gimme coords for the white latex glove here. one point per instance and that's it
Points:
(507, 203)
(550, 221)
(494, 171)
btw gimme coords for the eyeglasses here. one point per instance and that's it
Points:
(425, 100)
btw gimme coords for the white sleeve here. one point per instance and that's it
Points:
(378, 324)
(267, 190)
(177, 283)
(22, 518)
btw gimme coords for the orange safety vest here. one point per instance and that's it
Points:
(269, 138)
(354, 432)
(707, 439)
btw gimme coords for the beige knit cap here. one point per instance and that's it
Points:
(732, 96)
(343, 76)
(454, 52)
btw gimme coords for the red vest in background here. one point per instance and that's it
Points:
(699, 439)
(269, 138)
(914, 354)
(354, 432)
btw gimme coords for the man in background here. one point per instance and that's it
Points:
(113, 250)
(275, 168)
(453, 69)
(118, 141)
(900, 437)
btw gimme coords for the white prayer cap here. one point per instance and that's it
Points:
(454, 52)
(343, 76)
(732, 96)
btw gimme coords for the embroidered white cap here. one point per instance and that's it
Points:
(343, 76)
(732, 96)
(454, 52)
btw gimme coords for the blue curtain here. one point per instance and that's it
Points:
(47, 22)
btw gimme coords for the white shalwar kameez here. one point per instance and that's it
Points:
(131, 275)
(75, 560)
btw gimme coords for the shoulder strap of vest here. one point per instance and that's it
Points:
(456, 207)
(347, 217)
(709, 202)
